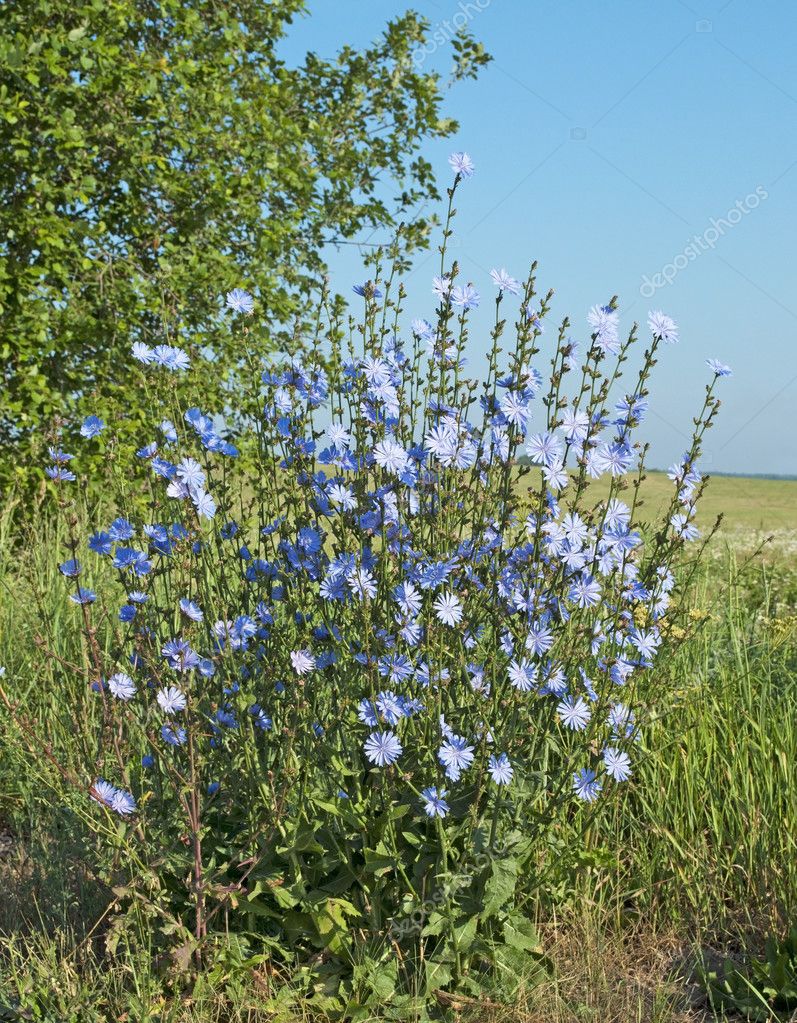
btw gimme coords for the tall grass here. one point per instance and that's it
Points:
(708, 836)
(45, 661)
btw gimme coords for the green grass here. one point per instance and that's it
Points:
(711, 827)
(746, 503)
(699, 857)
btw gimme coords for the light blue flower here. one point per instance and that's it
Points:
(461, 164)
(191, 610)
(574, 713)
(171, 700)
(434, 802)
(586, 785)
(618, 764)
(122, 686)
(240, 301)
(383, 748)
(500, 769)
(504, 282)
(448, 609)
(719, 368)
(456, 756)
(92, 426)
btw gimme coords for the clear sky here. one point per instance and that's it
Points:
(608, 138)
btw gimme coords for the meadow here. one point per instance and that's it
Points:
(748, 505)
(696, 862)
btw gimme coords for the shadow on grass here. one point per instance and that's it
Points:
(48, 884)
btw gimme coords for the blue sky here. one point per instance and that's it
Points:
(607, 137)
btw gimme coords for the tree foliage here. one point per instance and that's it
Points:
(155, 154)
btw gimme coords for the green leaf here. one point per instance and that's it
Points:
(464, 933)
(499, 888)
(436, 975)
(521, 933)
(379, 861)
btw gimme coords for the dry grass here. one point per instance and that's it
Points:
(605, 975)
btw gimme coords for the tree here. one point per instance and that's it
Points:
(155, 153)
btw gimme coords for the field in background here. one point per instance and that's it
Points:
(747, 503)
